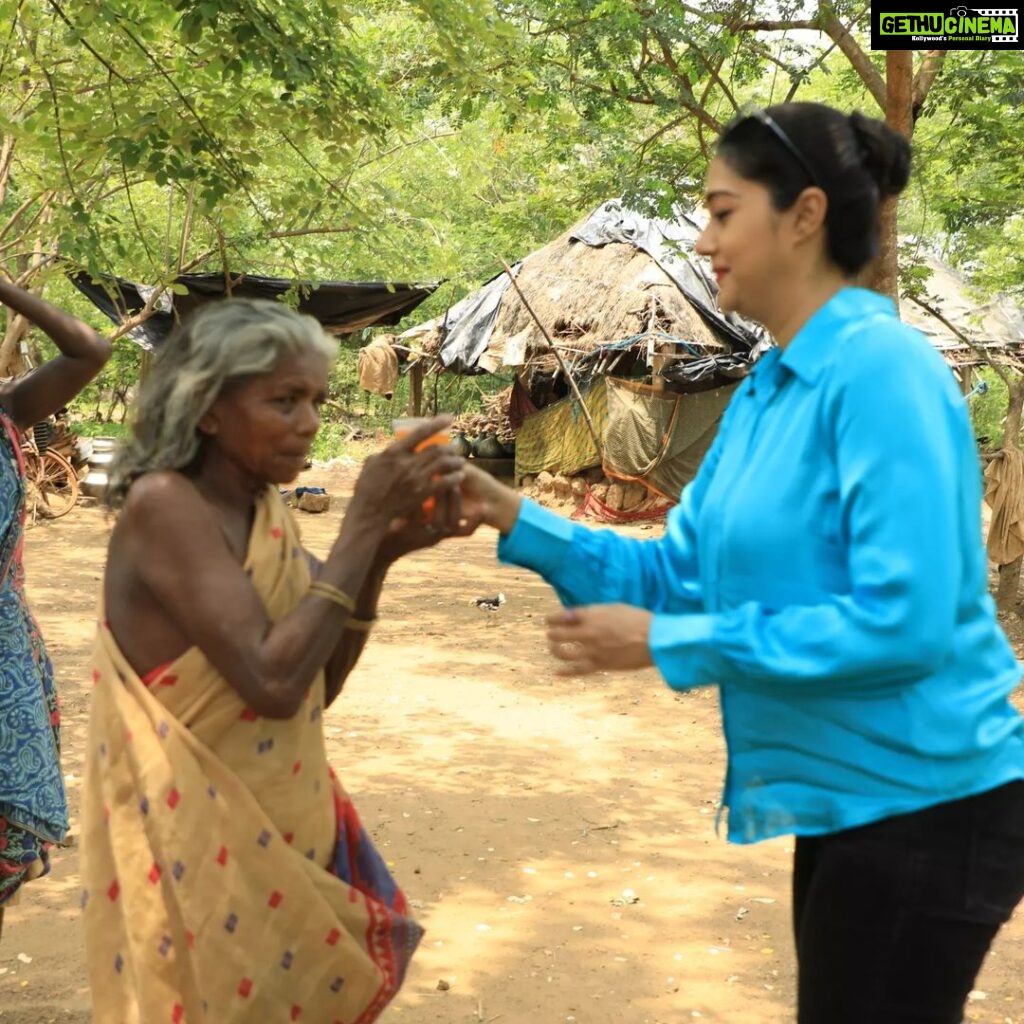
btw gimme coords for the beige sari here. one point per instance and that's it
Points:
(227, 878)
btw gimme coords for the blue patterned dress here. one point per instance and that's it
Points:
(33, 806)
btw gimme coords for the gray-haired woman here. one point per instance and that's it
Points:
(216, 838)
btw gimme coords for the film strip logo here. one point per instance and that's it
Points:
(991, 12)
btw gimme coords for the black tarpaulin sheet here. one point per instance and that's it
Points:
(470, 322)
(342, 307)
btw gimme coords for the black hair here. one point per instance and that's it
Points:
(856, 160)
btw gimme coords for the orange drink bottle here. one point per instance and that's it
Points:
(406, 425)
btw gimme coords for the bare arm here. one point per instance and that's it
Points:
(83, 352)
(175, 582)
(350, 644)
(174, 541)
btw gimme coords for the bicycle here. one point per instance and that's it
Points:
(51, 483)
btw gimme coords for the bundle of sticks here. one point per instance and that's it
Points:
(492, 418)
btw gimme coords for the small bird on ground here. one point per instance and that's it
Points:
(489, 604)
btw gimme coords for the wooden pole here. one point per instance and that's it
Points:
(416, 388)
(558, 355)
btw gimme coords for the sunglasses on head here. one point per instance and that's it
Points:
(761, 117)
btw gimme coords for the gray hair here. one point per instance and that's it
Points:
(223, 342)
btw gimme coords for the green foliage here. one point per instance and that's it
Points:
(988, 410)
(93, 428)
(424, 139)
(972, 178)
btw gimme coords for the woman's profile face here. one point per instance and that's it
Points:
(742, 240)
(266, 424)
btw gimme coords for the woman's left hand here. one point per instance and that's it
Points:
(425, 529)
(600, 638)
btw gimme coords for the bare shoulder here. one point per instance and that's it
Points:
(162, 503)
(154, 492)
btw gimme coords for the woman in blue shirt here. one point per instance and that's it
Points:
(826, 571)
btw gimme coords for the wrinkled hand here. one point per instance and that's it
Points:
(600, 638)
(485, 500)
(421, 530)
(396, 482)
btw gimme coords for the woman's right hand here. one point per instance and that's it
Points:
(395, 483)
(486, 500)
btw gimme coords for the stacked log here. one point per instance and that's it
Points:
(491, 420)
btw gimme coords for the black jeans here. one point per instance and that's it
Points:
(894, 919)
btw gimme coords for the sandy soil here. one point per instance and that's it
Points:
(556, 836)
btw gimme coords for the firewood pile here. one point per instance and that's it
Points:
(492, 419)
(58, 436)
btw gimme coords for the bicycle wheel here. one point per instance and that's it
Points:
(56, 484)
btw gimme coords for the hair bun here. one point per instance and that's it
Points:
(884, 152)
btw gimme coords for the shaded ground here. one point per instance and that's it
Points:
(556, 837)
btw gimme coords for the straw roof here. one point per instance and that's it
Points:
(994, 329)
(585, 297)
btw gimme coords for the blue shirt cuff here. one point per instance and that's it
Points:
(540, 540)
(682, 649)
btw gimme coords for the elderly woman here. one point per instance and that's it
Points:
(33, 806)
(227, 877)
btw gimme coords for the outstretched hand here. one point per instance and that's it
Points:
(600, 638)
(425, 529)
(395, 483)
(486, 500)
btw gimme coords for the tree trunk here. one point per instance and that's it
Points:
(899, 115)
(12, 364)
(1008, 590)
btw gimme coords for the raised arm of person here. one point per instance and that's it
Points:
(187, 570)
(83, 352)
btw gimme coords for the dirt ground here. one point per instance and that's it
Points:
(555, 836)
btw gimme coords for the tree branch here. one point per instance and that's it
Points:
(299, 232)
(842, 37)
(688, 100)
(805, 72)
(714, 71)
(664, 129)
(977, 350)
(70, 24)
(784, 25)
(925, 77)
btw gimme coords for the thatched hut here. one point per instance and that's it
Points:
(620, 355)
(970, 333)
(614, 289)
(587, 298)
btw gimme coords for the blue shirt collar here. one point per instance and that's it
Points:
(810, 351)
